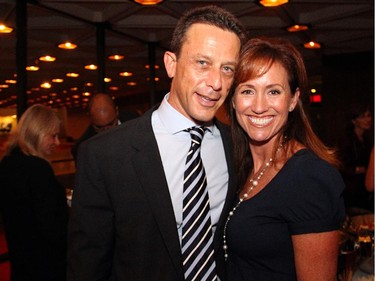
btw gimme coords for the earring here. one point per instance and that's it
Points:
(291, 109)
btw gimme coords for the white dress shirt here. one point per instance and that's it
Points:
(174, 143)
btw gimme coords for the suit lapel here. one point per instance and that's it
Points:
(149, 168)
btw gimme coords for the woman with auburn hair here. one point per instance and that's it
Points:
(32, 202)
(284, 223)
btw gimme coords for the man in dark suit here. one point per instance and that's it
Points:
(103, 114)
(127, 217)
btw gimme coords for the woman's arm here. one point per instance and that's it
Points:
(316, 256)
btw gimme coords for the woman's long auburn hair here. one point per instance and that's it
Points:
(256, 58)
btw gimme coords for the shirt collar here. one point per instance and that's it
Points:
(173, 120)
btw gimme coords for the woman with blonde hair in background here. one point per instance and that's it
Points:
(32, 202)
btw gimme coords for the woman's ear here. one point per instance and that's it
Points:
(170, 61)
(294, 100)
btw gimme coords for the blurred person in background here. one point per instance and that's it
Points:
(284, 224)
(355, 148)
(103, 114)
(32, 202)
(369, 180)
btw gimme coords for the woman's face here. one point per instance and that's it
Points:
(49, 142)
(363, 121)
(262, 104)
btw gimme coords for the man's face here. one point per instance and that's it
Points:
(203, 74)
(103, 118)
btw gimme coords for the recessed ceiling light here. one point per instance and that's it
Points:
(148, 66)
(67, 46)
(297, 27)
(72, 74)
(47, 58)
(148, 2)
(57, 80)
(126, 74)
(91, 67)
(32, 68)
(5, 29)
(272, 3)
(312, 45)
(116, 57)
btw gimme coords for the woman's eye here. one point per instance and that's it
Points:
(274, 92)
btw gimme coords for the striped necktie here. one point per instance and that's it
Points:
(197, 238)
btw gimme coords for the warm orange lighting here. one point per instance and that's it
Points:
(107, 80)
(5, 29)
(47, 58)
(148, 2)
(86, 94)
(72, 74)
(116, 57)
(91, 67)
(126, 74)
(114, 88)
(312, 45)
(57, 80)
(11, 81)
(4, 86)
(46, 85)
(131, 83)
(67, 46)
(88, 84)
(32, 68)
(272, 3)
(156, 79)
(297, 27)
(148, 66)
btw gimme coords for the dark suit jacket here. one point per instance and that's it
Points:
(124, 115)
(122, 225)
(35, 215)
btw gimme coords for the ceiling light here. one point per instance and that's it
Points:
(46, 85)
(32, 68)
(116, 57)
(47, 58)
(148, 2)
(312, 45)
(297, 27)
(57, 80)
(126, 74)
(148, 66)
(107, 80)
(131, 83)
(5, 29)
(91, 67)
(67, 46)
(272, 3)
(72, 74)
(11, 81)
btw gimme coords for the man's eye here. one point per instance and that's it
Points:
(228, 69)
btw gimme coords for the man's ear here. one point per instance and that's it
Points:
(170, 63)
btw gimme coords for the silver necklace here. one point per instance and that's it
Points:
(254, 183)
